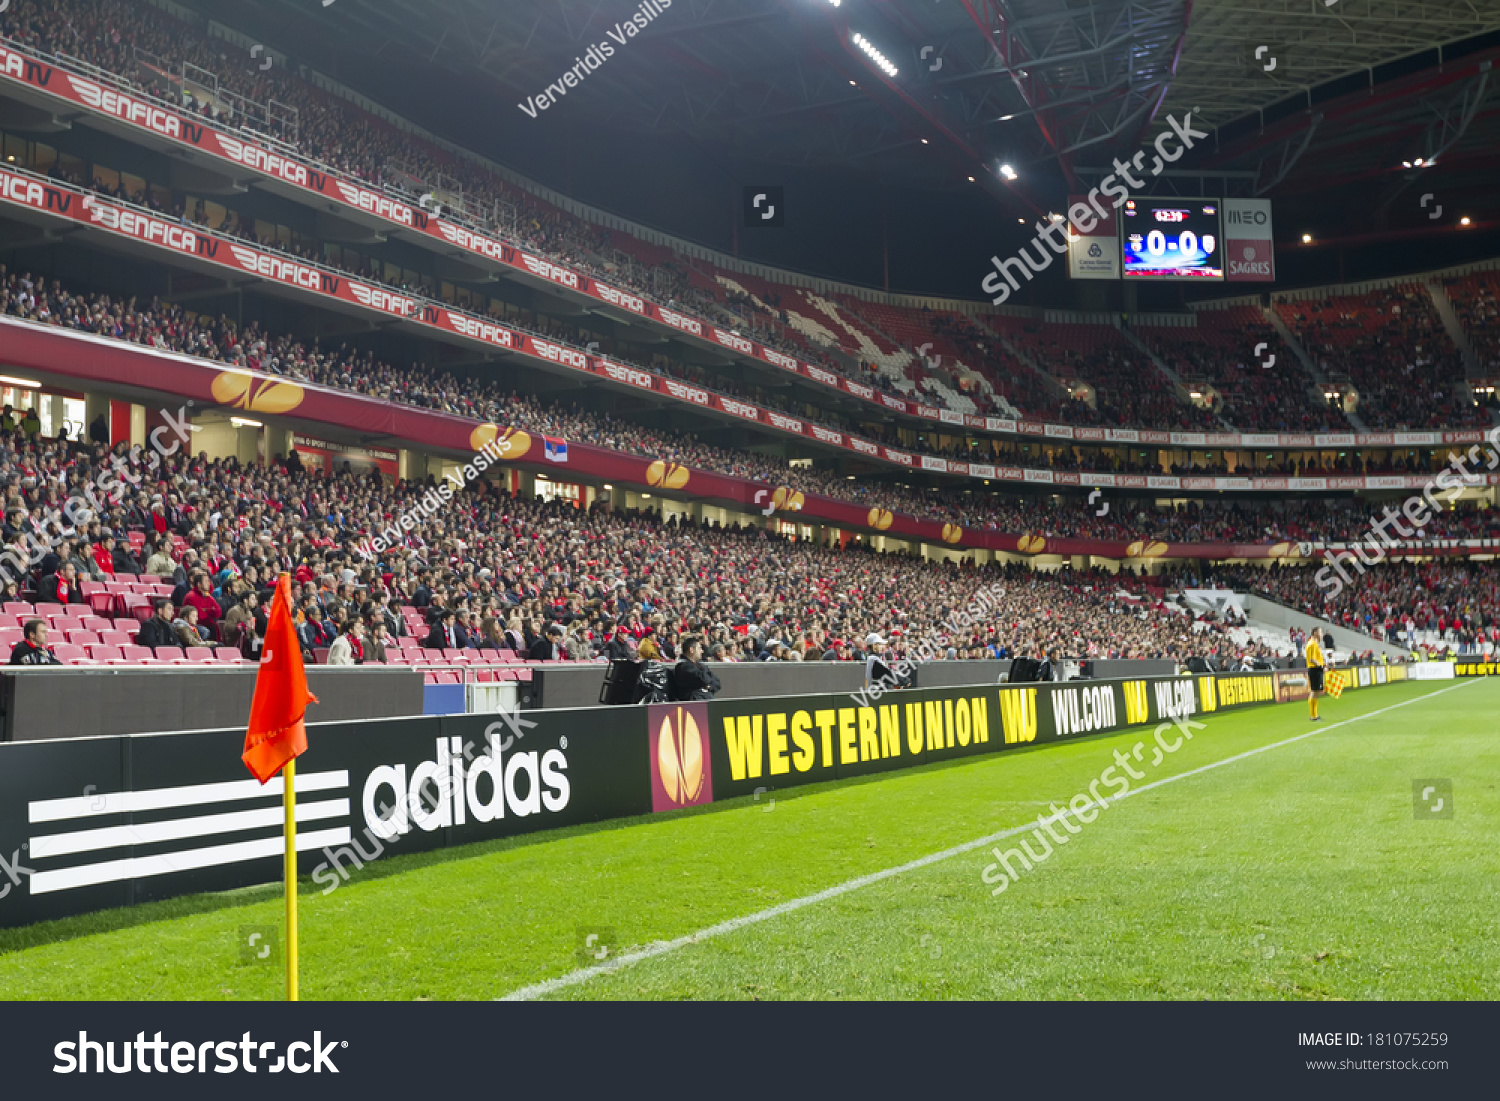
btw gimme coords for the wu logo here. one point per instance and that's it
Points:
(1018, 714)
(1137, 702)
(1208, 693)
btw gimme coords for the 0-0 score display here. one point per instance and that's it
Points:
(1172, 239)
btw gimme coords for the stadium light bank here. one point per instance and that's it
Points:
(1086, 215)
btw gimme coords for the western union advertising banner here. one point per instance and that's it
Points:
(758, 745)
(92, 823)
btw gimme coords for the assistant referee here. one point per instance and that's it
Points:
(1313, 651)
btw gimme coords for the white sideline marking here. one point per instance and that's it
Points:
(661, 948)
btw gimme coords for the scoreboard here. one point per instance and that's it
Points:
(1171, 238)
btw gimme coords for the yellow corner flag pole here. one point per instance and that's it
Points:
(289, 802)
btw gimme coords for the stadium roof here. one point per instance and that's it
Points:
(1303, 94)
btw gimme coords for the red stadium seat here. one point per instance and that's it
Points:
(170, 653)
(65, 623)
(13, 607)
(96, 623)
(47, 611)
(69, 654)
(320, 655)
(199, 653)
(82, 638)
(117, 638)
(138, 654)
(105, 653)
(103, 603)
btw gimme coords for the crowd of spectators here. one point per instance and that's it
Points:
(492, 571)
(1391, 346)
(1269, 392)
(1458, 601)
(217, 338)
(1403, 364)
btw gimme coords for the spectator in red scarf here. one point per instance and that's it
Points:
(202, 598)
(348, 648)
(61, 587)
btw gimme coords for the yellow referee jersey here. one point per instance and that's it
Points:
(1314, 654)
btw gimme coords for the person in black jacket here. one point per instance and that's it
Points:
(60, 587)
(158, 630)
(33, 649)
(446, 634)
(691, 679)
(549, 647)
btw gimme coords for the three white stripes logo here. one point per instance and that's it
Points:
(198, 840)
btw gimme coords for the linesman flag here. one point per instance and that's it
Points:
(1334, 682)
(276, 733)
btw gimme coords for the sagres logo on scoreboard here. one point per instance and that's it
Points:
(681, 773)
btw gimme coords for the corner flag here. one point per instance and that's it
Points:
(276, 732)
(276, 736)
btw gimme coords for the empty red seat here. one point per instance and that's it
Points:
(69, 654)
(65, 623)
(169, 653)
(138, 654)
(105, 653)
(14, 607)
(140, 612)
(432, 655)
(96, 623)
(47, 611)
(82, 638)
(102, 603)
(199, 653)
(117, 638)
(320, 655)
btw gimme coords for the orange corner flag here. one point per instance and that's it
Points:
(276, 733)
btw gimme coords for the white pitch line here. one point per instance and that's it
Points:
(662, 948)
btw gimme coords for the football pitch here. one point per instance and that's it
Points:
(1266, 857)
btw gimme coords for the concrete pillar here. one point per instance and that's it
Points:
(138, 426)
(278, 441)
(248, 445)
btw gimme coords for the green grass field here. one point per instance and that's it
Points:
(1302, 871)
